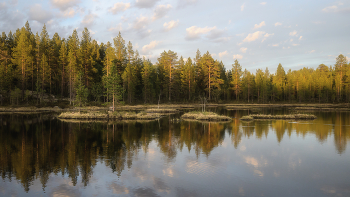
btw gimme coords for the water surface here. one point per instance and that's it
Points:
(43, 156)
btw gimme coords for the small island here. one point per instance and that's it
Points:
(283, 117)
(205, 116)
(117, 115)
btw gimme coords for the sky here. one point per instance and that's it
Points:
(259, 34)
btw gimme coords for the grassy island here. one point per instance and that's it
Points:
(118, 115)
(284, 117)
(160, 110)
(207, 116)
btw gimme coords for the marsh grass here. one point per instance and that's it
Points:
(83, 115)
(119, 115)
(162, 110)
(290, 116)
(247, 118)
(206, 116)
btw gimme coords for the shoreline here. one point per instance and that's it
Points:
(177, 107)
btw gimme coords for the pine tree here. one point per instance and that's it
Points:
(74, 65)
(81, 92)
(188, 78)
(129, 76)
(22, 56)
(279, 82)
(166, 64)
(44, 77)
(340, 71)
(147, 72)
(120, 53)
(108, 62)
(86, 55)
(210, 69)
(63, 57)
(112, 84)
(236, 79)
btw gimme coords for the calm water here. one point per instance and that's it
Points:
(43, 156)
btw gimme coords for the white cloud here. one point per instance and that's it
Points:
(229, 22)
(64, 4)
(69, 13)
(300, 37)
(243, 49)
(36, 12)
(221, 54)
(333, 8)
(295, 45)
(170, 25)
(185, 3)
(145, 3)
(89, 19)
(92, 32)
(222, 39)
(275, 45)
(161, 10)
(268, 35)
(195, 32)
(215, 33)
(293, 33)
(140, 22)
(146, 49)
(256, 26)
(253, 36)
(3, 6)
(277, 24)
(119, 7)
(312, 51)
(242, 7)
(263, 3)
(116, 28)
(237, 56)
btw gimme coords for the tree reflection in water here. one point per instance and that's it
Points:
(33, 147)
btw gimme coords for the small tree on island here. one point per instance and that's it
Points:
(112, 83)
(81, 91)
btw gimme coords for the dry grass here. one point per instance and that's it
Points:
(79, 115)
(324, 106)
(291, 116)
(119, 115)
(165, 110)
(134, 116)
(247, 118)
(207, 116)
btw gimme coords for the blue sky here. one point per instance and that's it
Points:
(259, 34)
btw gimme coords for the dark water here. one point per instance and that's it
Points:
(43, 156)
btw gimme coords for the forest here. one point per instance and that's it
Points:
(82, 71)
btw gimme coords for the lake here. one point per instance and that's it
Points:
(41, 155)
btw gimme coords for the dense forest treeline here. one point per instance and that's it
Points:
(81, 69)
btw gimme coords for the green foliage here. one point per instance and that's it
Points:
(15, 96)
(81, 92)
(113, 85)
